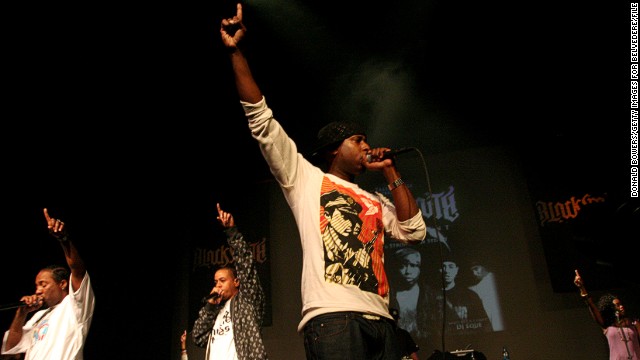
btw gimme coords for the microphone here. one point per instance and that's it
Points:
(390, 154)
(13, 305)
(210, 296)
(618, 316)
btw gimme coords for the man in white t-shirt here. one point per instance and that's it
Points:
(342, 227)
(64, 307)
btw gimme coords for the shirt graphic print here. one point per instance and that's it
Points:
(351, 225)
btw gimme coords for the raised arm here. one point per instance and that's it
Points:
(232, 31)
(244, 264)
(76, 264)
(593, 309)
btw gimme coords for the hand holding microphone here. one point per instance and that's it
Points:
(390, 154)
(29, 303)
(31, 306)
(214, 295)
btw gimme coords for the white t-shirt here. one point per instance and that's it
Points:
(59, 332)
(326, 285)
(222, 345)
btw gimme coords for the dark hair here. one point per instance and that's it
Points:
(58, 272)
(607, 308)
(230, 268)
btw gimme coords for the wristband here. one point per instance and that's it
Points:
(394, 185)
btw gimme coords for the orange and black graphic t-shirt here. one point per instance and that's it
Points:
(353, 237)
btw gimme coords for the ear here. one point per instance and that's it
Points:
(236, 282)
(330, 156)
(64, 285)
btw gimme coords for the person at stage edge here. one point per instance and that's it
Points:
(342, 227)
(622, 333)
(184, 355)
(64, 305)
(229, 324)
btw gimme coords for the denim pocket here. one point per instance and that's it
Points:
(326, 326)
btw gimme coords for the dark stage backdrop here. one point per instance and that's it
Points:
(584, 214)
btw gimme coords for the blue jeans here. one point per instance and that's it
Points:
(350, 336)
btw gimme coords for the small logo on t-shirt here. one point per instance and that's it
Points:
(41, 331)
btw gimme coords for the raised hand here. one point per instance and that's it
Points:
(55, 226)
(225, 218)
(578, 280)
(232, 29)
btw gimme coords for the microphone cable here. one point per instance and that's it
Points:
(440, 251)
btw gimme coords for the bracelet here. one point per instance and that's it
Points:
(394, 185)
(184, 351)
(585, 298)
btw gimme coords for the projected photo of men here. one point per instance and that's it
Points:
(463, 307)
(410, 294)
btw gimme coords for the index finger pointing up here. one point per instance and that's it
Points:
(239, 11)
(46, 214)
